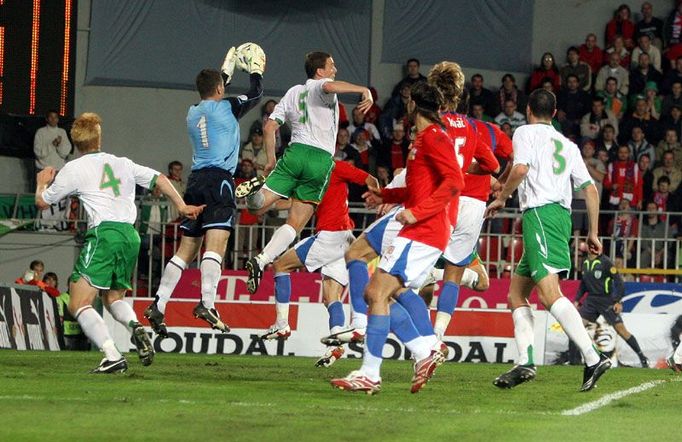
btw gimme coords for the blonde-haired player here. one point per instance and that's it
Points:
(105, 185)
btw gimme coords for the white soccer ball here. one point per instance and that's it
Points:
(250, 58)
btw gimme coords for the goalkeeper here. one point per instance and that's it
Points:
(303, 172)
(213, 128)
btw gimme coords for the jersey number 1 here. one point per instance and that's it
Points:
(203, 133)
(560, 160)
(110, 180)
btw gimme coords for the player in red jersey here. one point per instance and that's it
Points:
(469, 145)
(325, 250)
(433, 179)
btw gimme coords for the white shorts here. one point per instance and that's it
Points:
(464, 239)
(381, 233)
(410, 260)
(326, 249)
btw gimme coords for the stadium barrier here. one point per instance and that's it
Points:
(474, 335)
(28, 318)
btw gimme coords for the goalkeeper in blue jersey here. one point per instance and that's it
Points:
(213, 129)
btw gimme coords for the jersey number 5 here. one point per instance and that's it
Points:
(459, 142)
(110, 180)
(303, 107)
(559, 160)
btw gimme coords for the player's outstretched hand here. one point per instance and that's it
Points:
(46, 176)
(593, 244)
(192, 212)
(618, 308)
(366, 103)
(372, 199)
(405, 217)
(384, 208)
(493, 208)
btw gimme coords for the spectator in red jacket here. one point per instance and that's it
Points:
(591, 54)
(621, 25)
(34, 274)
(623, 180)
(547, 69)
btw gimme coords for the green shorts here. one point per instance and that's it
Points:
(302, 173)
(546, 235)
(109, 256)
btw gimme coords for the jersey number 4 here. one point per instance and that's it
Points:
(110, 180)
(559, 160)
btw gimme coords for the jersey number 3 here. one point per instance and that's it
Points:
(559, 160)
(110, 180)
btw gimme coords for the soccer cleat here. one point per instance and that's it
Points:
(517, 375)
(107, 366)
(155, 318)
(424, 369)
(676, 368)
(249, 187)
(644, 361)
(144, 346)
(277, 332)
(357, 381)
(330, 356)
(345, 336)
(593, 373)
(211, 316)
(255, 275)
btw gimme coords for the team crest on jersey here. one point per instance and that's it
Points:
(597, 274)
(390, 250)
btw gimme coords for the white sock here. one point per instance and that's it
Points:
(441, 323)
(358, 320)
(421, 346)
(255, 201)
(567, 315)
(96, 330)
(211, 269)
(169, 279)
(278, 244)
(469, 279)
(123, 313)
(677, 356)
(282, 309)
(524, 334)
(371, 365)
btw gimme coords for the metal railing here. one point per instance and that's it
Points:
(500, 245)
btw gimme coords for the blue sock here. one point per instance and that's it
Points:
(377, 333)
(447, 300)
(418, 311)
(336, 315)
(401, 323)
(358, 280)
(282, 288)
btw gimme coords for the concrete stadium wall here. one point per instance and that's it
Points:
(17, 249)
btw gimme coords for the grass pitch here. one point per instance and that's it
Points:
(50, 396)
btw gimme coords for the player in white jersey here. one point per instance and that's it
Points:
(105, 185)
(547, 169)
(302, 174)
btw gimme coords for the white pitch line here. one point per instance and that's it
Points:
(594, 405)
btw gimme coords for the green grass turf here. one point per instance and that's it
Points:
(50, 397)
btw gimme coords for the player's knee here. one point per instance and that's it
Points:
(373, 294)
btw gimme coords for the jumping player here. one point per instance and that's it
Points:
(545, 162)
(213, 128)
(302, 174)
(105, 185)
(433, 177)
(325, 250)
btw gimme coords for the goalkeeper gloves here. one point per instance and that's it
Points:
(227, 69)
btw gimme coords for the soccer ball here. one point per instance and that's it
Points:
(250, 58)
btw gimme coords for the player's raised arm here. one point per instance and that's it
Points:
(343, 87)
(249, 58)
